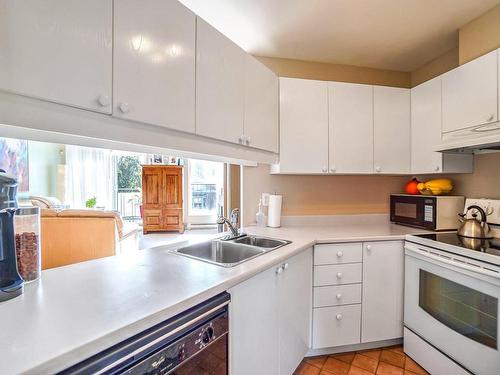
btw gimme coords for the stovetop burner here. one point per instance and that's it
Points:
(489, 246)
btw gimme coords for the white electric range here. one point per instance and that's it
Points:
(452, 293)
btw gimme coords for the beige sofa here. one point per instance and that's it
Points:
(72, 236)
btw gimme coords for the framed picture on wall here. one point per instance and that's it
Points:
(157, 159)
(14, 160)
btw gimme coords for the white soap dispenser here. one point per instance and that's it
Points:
(260, 218)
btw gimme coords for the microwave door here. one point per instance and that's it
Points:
(408, 210)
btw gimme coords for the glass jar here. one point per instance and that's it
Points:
(27, 229)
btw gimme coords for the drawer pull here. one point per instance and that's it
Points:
(368, 248)
(339, 296)
(340, 254)
(339, 317)
(339, 275)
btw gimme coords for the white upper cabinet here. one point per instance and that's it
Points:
(426, 133)
(351, 128)
(261, 106)
(220, 85)
(470, 94)
(58, 50)
(426, 127)
(391, 123)
(303, 126)
(154, 63)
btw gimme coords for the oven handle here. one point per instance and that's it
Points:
(161, 338)
(429, 256)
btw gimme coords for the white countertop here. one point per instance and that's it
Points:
(76, 311)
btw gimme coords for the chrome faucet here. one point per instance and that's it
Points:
(232, 223)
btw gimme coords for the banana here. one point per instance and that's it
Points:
(438, 186)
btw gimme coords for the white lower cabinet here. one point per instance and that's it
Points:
(383, 280)
(361, 301)
(270, 317)
(335, 326)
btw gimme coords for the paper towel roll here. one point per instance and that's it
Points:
(274, 211)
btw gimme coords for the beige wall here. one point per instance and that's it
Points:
(480, 36)
(484, 182)
(436, 67)
(336, 72)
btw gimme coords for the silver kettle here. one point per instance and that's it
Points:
(474, 228)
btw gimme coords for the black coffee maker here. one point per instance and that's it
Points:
(11, 283)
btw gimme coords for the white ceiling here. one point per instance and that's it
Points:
(387, 34)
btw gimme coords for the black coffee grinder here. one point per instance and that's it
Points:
(11, 283)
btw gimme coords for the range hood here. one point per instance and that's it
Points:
(472, 141)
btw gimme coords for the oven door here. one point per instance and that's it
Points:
(454, 307)
(415, 211)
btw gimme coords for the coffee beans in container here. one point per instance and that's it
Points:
(27, 228)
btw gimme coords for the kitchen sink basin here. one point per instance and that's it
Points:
(262, 242)
(230, 253)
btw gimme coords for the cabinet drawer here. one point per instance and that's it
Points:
(337, 295)
(338, 253)
(337, 274)
(335, 326)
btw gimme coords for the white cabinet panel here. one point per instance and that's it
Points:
(220, 85)
(351, 128)
(303, 126)
(470, 94)
(426, 130)
(337, 295)
(255, 324)
(337, 274)
(58, 50)
(391, 121)
(295, 294)
(426, 127)
(154, 63)
(383, 280)
(338, 253)
(335, 326)
(261, 106)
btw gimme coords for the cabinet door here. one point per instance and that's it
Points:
(154, 63)
(254, 319)
(58, 50)
(383, 280)
(303, 126)
(220, 91)
(470, 94)
(391, 123)
(295, 293)
(261, 106)
(351, 128)
(426, 127)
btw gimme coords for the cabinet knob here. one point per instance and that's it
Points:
(324, 170)
(338, 296)
(279, 270)
(285, 266)
(124, 107)
(340, 254)
(333, 169)
(103, 100)
(248, 140)
(378, 169)
(339, 275)
(241, 139)
(437, 168)
(490, 118)
(339, 317)
(369, 248)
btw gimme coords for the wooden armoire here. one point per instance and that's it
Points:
(162, 198)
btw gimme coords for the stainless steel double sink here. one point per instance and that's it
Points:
(230, 253)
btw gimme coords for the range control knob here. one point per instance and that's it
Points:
(181, 354)
(207, 335)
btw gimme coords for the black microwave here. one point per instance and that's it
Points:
(427, 211)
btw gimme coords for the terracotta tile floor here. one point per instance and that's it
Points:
(385, 361)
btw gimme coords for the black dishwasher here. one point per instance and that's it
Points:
(194, 342)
